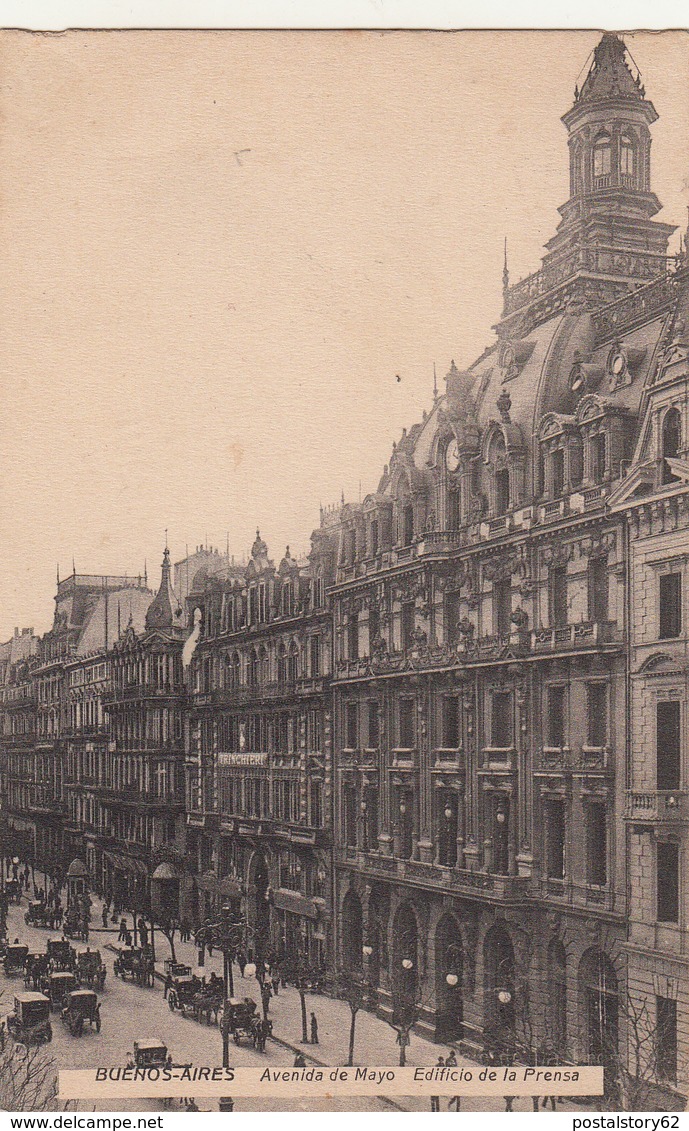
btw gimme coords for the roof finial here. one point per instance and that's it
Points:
(58, 573)
(166, 545)
(505, 271)
(435, 384)
(74, 568)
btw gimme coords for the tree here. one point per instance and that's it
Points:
(354, 990)
(168, 928)
(28, 1079)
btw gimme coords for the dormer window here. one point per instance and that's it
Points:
(502, 491)
(598, 455)
(350, 546)
(407, 524)
(671, 441)
(374, 537)
(287, 599)
(558, 458)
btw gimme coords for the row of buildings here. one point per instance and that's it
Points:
(447, 748)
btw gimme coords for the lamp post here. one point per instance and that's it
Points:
(226, 935)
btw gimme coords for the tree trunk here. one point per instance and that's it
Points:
(352, 1029)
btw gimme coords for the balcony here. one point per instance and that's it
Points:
(460, 881)
(143, 691)
(657, 807)
(585, 634)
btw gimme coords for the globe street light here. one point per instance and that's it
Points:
(226, 936)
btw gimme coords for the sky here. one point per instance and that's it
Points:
(232, 260)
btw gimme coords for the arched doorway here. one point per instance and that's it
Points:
(448, 980)
(556, 1009)
(352, 932)
(405, 963)
(600, 1005)
(499, 991)
(258, 905)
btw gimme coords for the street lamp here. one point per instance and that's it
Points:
(226, 936)
(407, 964)
(367, 950)
(451, 979)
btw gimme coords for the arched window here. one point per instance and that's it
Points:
(253, 669)
(293, 663)
(626, 158)
(602, 161)
(407, 524)
(671, 441)
(287, 599)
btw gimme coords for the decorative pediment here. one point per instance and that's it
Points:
(554, 424)
(660, 663)
(643, 481)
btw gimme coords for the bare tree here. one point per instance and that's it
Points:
(28, 1079)
(354, 990)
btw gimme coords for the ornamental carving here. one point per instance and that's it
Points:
(500, 568)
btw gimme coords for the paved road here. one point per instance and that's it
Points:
(131, 1012)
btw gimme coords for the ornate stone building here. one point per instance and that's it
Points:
(510, 806)
(259, 757)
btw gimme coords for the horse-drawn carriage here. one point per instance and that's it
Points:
(61, 955)
(79, 1007)
(151, 1053)
(241, 1018)
(13, 890)
(38, 914)
(35, 969)
(29, 1022)
(208, 1002)
(75, 926)
(135, 963)
(57, 985)
(182, 992)
(176, 969)
(15, 957)
(91, 969)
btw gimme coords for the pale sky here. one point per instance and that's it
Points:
(221, 249)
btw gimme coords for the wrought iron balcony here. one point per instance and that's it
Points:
(439, 876)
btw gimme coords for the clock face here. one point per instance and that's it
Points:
(452, 456)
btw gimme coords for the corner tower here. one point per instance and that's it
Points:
(607, 242)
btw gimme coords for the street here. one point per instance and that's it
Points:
(130, 1012)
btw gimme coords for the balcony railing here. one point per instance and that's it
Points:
(657, 806)
(439, 875)
(143, 691)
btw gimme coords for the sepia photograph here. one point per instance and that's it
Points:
(344, 449)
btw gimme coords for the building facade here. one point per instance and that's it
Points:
(259, 762)
(447, 749)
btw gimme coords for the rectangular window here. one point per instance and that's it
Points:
(666, 1039)
(374, 538)
(557, 589)
(596, 844)
(316, 798)
(353, 636)
(453, 511)
(597, 714)
(502, 606)
(451, 617)
(350, 816)
(373, 627)
(598, 590)
(501, 721)
(371, 819)
(670, 601)
(667, 882)
(352, 726)
(668, 745)
(407, 624)
(373, 725)
(315, 649)
(555, 839)
(407, 728)
(557, 705)
(451, 722)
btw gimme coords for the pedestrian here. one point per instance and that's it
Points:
(2, 1035)
(552, 1100)
(127, 937)
(123, 930)
(451, 1059)
(143, 933)
(168, 984)
(265, 998)
(314, 1029)
(435, 1100)
(275, 979)
(299, 1061)
(104, 917)
(241, 961)
(509, 1100)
